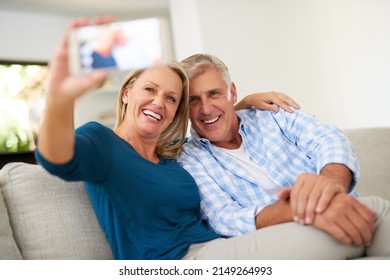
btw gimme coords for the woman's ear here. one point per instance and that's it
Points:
(125, 95)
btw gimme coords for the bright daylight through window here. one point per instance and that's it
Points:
(22, 90)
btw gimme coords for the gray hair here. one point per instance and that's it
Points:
(197, 64)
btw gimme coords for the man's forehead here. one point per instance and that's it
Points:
(208, 81)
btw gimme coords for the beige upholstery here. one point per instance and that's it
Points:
(8, 248)
(43, 217)
(373, 151)
(50, 218)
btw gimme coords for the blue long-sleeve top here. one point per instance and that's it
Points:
(146, 210)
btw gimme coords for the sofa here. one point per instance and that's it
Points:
(43, 217)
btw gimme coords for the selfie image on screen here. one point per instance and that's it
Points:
(122, 45)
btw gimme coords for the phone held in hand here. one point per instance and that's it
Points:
(119, 46)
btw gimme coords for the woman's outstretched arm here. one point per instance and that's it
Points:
(56, 135)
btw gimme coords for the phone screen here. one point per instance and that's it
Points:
(119, 46)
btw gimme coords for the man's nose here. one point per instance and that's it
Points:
(206, 107)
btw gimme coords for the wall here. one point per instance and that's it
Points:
(29, 36)
(331, 56)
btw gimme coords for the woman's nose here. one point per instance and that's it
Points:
(158, 102)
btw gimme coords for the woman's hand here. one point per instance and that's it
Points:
(63, 85)
(268, 101)
(56, 134)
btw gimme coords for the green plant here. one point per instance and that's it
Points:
(14, 140)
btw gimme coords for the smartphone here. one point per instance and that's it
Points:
(119, 46)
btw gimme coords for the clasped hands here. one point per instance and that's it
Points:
(322, 202)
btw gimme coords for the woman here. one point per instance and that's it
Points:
(147, 205)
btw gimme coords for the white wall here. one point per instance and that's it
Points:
(29, 36)
(331, 56)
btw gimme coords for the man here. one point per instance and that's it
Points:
(257, 169)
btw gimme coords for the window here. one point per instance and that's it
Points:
(22, 99)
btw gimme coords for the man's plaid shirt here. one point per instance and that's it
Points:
(283, 144)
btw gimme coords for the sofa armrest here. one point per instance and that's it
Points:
(8, 248)
(50, 218)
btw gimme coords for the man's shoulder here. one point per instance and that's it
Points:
(192, 143)
(194, 147)
(255, 116)
(254, 112)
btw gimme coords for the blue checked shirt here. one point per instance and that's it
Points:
(283, 144)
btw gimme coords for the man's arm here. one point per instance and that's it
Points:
(267, 101)
(330, 152)
(340, 173)
(277, 213)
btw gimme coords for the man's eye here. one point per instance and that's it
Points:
(193, 100)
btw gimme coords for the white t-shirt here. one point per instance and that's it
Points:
(243, 157)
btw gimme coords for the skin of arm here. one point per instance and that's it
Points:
(267, 101)
(277, 213)
(56, 135)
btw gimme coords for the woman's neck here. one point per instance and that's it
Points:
(143, 146)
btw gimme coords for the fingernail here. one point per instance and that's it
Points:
(308, 220)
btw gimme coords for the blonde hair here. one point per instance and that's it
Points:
(172, 138)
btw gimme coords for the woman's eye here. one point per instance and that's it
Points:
(171, 99)
(150, 89)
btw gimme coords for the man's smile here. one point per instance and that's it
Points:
(210, 121)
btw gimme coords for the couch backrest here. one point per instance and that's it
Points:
(50, 218)
(373, 152)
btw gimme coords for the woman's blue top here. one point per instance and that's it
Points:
(147, 210)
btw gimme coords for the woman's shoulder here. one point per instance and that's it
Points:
(93, 127)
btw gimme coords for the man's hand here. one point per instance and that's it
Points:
(347, 220)
(312, 193)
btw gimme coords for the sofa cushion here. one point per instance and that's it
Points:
(373, 153)
(8, 248)
(51, 218)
